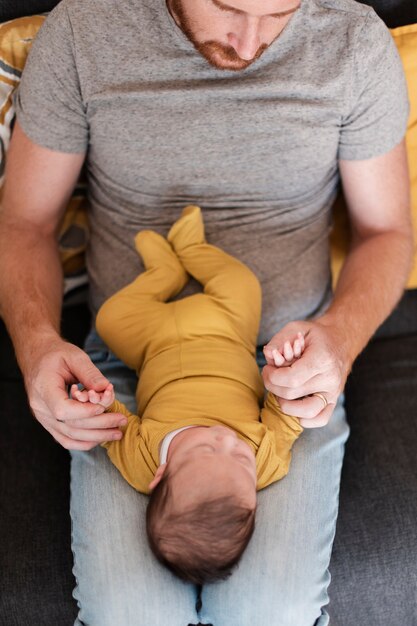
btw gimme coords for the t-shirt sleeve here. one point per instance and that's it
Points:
(48, 101)
(377, 103)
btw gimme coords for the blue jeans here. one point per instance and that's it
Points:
(282, 578)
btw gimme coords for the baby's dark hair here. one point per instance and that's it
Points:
(203, 543)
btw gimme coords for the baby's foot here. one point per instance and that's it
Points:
(288, 354)
(105, 398)
(155, 249)
(157, 252)
(188, 230)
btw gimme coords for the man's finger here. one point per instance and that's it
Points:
(296, 391)
(64, 408)
(103, 421)
(300, 372)
(87, 373)
(72, 444)
(309, 407)
(321, 420)
(86, 435)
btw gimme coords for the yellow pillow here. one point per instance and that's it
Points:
(16, 38)
(405, 38)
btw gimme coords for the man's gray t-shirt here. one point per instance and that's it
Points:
(256, 149)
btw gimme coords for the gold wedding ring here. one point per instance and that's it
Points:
(322, 398)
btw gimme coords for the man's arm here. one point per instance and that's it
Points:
(371, 282)
(38, 185)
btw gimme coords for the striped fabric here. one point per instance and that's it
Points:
(15, 40)
(16, 37)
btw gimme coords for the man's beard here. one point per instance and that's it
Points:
(221, 56)
(225, 57)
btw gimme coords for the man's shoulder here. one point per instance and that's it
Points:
(92, 24)
(75, 6)
(346, 7)
(80, 10)
(346, 24)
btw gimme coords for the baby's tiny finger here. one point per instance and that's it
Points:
(268, 354)
(278, 358)
(94, 397)
(107, 398)
(78, 394)
(288, 351)
(297, 348)
(73, 390)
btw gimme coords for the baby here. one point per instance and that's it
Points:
(201, 443)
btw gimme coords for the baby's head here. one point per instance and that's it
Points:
(201, 513)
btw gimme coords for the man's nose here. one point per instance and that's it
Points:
(245, 39)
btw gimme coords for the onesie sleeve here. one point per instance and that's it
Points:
(376, 111)
(126, 453)
(48, 101)
(274, 454)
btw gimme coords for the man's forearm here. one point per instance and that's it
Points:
(30, 287)
(371, 283)
(38, 185)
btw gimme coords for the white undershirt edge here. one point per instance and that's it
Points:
(163, 450)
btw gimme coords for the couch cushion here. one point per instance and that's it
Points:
(395, 12)
(374, 557)
(405, 38)
(11, 9)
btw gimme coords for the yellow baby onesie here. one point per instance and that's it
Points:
(195, 357)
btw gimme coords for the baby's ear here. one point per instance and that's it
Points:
(159, 473)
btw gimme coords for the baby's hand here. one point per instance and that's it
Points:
(290, 352)
(105, 398)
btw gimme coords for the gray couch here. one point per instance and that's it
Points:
(374, 564)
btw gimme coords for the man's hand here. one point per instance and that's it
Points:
(75, 425)
(321, 369)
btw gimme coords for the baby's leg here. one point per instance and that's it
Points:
(287, 354)
(224, 277)
(128, 320)
(165, 276)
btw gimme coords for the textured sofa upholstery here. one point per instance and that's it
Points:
(374, 574)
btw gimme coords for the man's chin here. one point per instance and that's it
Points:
(222, 64)
(224, 57)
